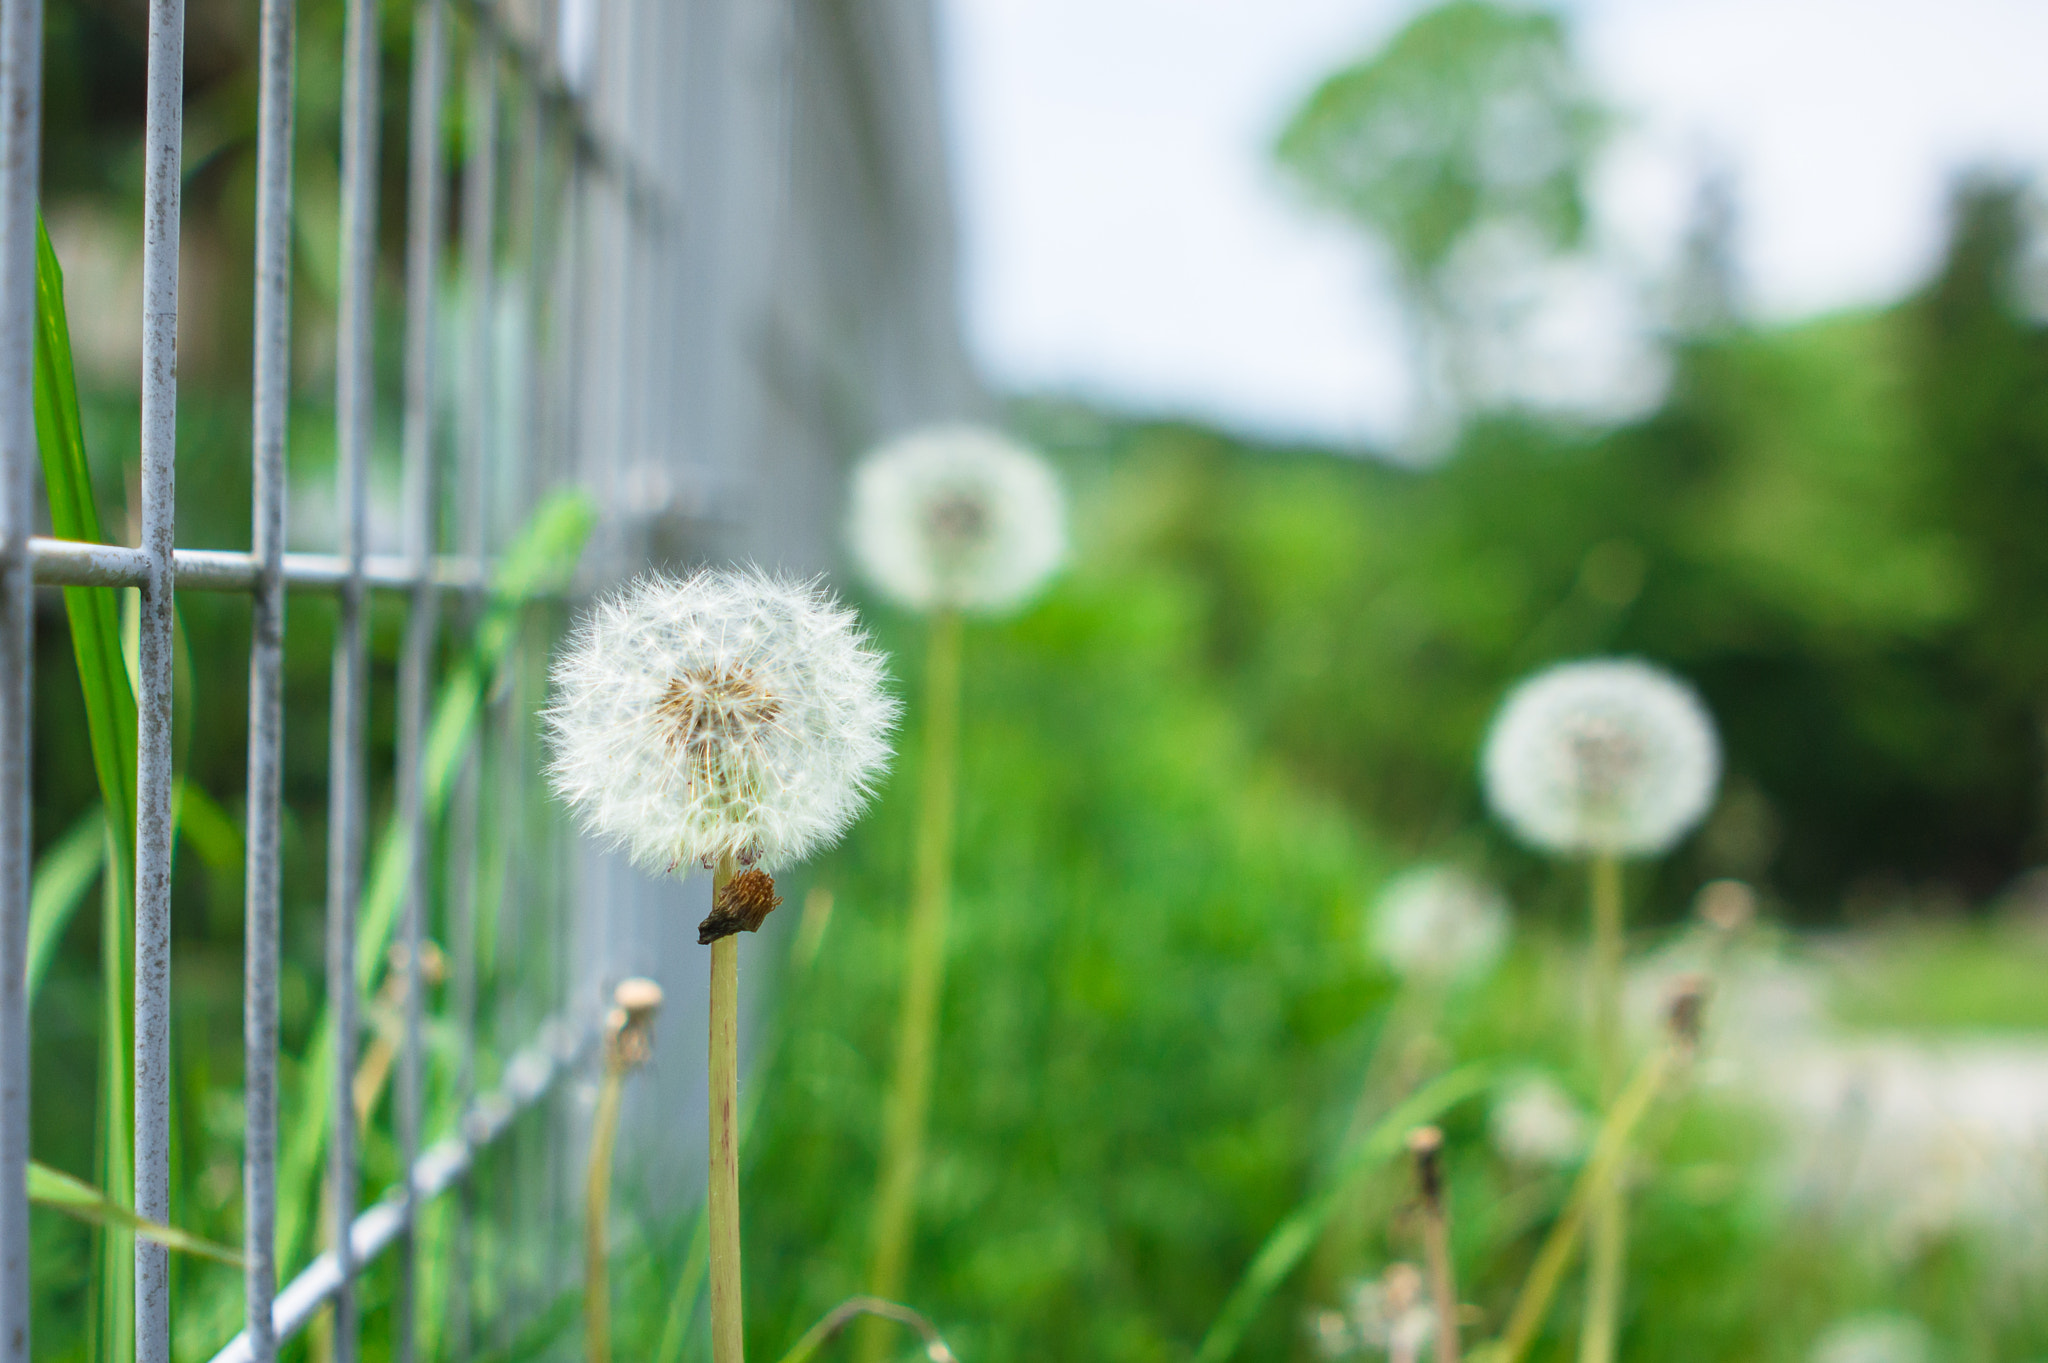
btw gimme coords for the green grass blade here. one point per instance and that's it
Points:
(94, 612)
(110, 719)
(208, 830)
(75, 1197)
(63, 874)
(542, 560)
(1298, 1232)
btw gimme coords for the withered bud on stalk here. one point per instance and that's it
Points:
(629, 1026)
(1426, 1144)
(741, 905)
(1686, 1009)
(433, 965)
(1727, 906)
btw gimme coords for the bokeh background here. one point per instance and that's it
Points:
(1389, 352)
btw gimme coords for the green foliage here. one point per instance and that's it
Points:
(1472, 116)
(111, 723)
(1808, 529)
(1152, 924)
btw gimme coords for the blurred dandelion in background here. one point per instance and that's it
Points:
(1536, 1123)
(1610, 756)
(1386, 1316)
(957, 517)
(1880, 1337)
(725, 713)
(944, 520)
(1439, 924)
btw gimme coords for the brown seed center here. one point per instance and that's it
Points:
(1610, 759)
(957, 522)
(714, 704)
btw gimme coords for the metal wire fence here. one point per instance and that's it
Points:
(539, 168)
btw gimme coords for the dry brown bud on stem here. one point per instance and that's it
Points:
(740, 905)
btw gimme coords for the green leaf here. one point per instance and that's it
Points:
(59, 1191)
(110, 719)
(63, 874)
(542, 561)
(94, 612)
(1299, 1231)
(208, 829)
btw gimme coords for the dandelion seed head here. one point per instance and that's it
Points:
(1880, 1337)
(1392, 1312)
(726, 712)
(1439, 923)
(1536, 1123)
(957, 516)
(1607, 756)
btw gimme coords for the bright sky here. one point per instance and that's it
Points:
(1127, 239)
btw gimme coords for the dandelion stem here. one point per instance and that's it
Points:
(1607, 1242)
(923, 978)
(1426, 1145)
(1602, 1168)
(844, 1314)
(597, 1194)
(728, 1344)
(1606, 970)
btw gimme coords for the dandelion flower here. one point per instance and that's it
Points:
(726, 712)
(1392, 1312)
(1610, 757)
(957, 516)
(1439, 923)
(1880, 1337)
(1537, 1123)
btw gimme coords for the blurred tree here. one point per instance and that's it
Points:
(1833, 528)
(1464, 140)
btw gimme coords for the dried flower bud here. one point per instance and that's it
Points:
(433, 964)
(740, 905)
(1726, 905)
(1426, 1145)
(629, 1026)
(1686, 1009)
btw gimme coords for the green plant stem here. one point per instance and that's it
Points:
(94, 614)
(1606, 1258)
(923, 979)
(1443, 1284)
(722, 1199)
(1602, 1167)
(844, 1314)
(1287, 1243)
(1607, 1246)
(682, 1305)
(597, 1196)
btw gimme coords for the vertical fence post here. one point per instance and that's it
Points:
(21, 109)
(479, 225)
(163, 138)
(354, 390)
(423, 241)
(272, 397)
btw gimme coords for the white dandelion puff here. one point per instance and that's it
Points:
(957, 516)
(1880, 1337)
(727, 712)
(1536, 1123)
(1392, 1313)
(1439, 923)
(1611, 757)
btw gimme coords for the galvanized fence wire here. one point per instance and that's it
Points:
(499, 466)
